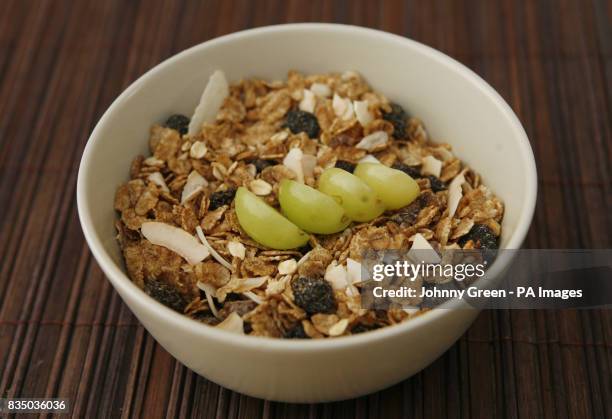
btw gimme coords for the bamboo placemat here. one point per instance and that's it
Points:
(65, 332)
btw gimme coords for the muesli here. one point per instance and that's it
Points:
(253, 214)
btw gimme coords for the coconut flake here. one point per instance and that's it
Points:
(210, 292)
(431, 166)
(236, 249)
(251, 295)
(158, 179)
(421, 251)
(368, 158)
(194, 185)
(455, 192)
(336, 276)
(233, 323)
(321, 90)
(307, 104)
(293, 162)
(372, 141)
(362, 112)
(353, 270)
(343, 108)
(175, 239)
(212, 251)
(212, 98)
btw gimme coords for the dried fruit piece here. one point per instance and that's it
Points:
(165, 294)
(411, 171)
(296, 332)
(299, 121)
(314, 295)
(220, 198)
(482, 237)
(233, 323)
(178, 122)
(397, 117)
(436, 184)
(261, 164)
(346, 165)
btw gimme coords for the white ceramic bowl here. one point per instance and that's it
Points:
(457, 107)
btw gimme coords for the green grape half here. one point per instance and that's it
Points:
(310, 209)
(359, 201)
(395, 188)
(266, 225)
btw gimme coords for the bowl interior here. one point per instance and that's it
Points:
(456, 106)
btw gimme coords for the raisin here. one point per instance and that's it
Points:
(165, 294)
(397, 117)
(314, 295)
(482, 236)
(261, 164)
(300, 121)
(305, 249)
(218, 199)
(296, 332)
(362, 328)
(178, 122)
(413, 172)
(346, 165)
(436, 184)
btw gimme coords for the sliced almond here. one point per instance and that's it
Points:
(260, 187)
(374, 140)
(153, 161)
(198, 150)
(211, 101)
(338, 328)
(175, 239)
(431, 166)
(236, 249)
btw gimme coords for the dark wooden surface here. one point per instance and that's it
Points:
(65, 332)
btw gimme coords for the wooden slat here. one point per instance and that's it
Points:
(64, 332)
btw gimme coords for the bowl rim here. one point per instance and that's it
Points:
(122, 282)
